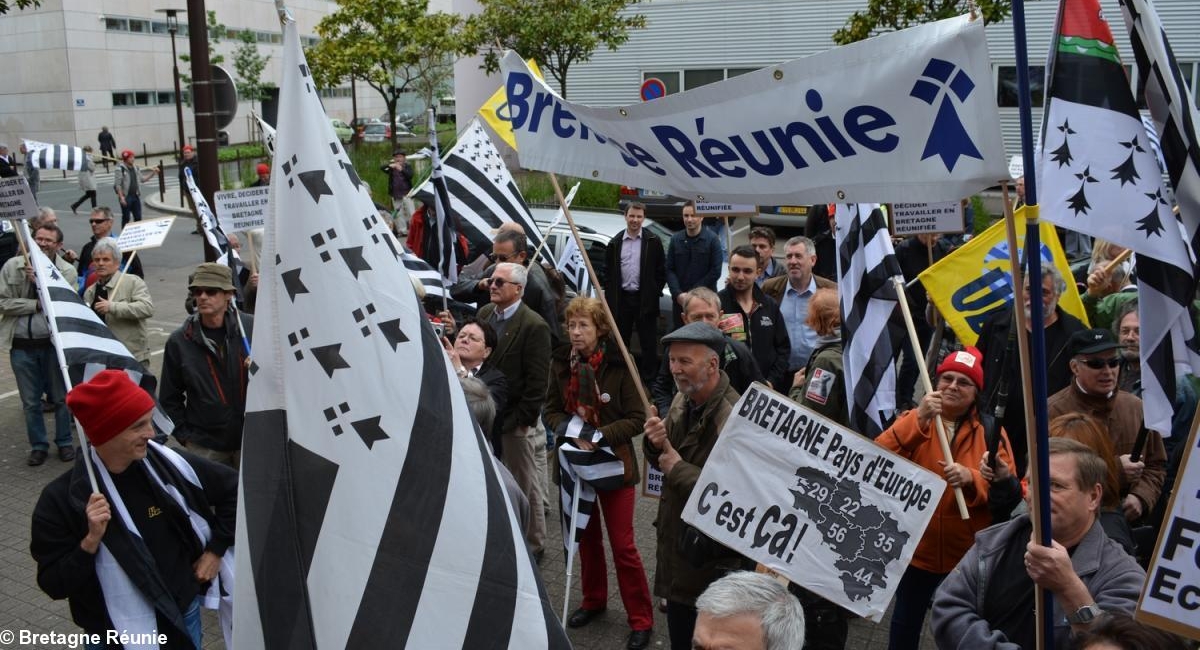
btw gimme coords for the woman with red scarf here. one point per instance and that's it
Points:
(593, 403)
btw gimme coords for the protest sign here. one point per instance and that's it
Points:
(725, 209)
(814, 501)
(796, 133)
(924, 218)
(16, 201)
(149, 233)
(1171, 596)
(242, 209)
(653, 481)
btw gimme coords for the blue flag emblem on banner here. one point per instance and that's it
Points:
(948, 138)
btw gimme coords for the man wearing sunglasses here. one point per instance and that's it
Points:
(204, 373)
(101, 221)
(1095, 363)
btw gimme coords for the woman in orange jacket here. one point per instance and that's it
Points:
(914, 435)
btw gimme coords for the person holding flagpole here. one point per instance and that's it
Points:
(593, 400)
(121, 299)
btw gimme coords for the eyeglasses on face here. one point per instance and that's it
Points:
(206, 291)
(96, 221)
(962, 382)
(1097, 364)
(500, 257)
(500, 282)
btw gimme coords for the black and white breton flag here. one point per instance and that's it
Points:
(441, 237)
(213, 232)
(368, 516)
(428, 276)
(268, 134)
(88, 346)
(574, 271)
(1170, 346)
(482, 192)
(55, 156)
(866, 264)
(581, 473)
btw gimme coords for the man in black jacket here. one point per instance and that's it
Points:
(204, 373)
(637, 270)
(139, 555)
(752, 317)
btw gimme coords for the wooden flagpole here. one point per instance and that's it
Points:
(612, 322)
(124, 272)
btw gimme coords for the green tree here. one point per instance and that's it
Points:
(555, 33)
(19, 4)
(385, 43)
(216, 33)
(249, 64)
(886, 15)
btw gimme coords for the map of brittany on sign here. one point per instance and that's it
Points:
(865, 539)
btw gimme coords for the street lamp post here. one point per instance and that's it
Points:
(173, 28)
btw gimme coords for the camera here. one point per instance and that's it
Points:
(439, 330)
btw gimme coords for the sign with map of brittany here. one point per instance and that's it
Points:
(816, 502)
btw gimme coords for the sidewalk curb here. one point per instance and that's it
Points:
(163, 207)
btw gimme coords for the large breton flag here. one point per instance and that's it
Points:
(482, 192)
(573, 269)
(1102, 178)
(582, 472)
(866, 264)
(88, 346)
(55, 156)
(369, 516)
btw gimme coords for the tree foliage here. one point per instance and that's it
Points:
(216, 32)
(5, 5)
(555, 33)
(248, 62)
(887, 15)
(386, 43)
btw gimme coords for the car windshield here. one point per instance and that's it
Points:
(375, 128)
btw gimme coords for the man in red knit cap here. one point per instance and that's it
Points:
(144, 552)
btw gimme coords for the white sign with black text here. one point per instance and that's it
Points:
(816, 502)
(16, 200)
(242, 209)
(924, 218)
(725, 209)
(150, 233)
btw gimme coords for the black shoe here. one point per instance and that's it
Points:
(36, 457)
(66, 454)
(581, 617)
(639, 639)
(74, 208)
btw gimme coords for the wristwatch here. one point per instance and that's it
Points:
(1085, 614)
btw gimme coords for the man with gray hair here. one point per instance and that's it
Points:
(1002, 395)
(792, 292)
(522, 354)
(748, 611)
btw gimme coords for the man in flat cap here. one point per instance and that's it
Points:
(679, 445)
(140, 555)
(205, 366)
(1093, 390)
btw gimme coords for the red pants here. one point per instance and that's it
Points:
(617, 508)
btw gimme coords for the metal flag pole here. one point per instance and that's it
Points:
(1033, 244)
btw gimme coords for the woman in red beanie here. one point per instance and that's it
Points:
(957, 386)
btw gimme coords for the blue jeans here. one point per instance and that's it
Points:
(37, 370)
(132, 207)
(191, 619)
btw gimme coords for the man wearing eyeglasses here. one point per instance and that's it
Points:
(204, 373)
(522, 354)
(1094, 391)
(511, 246)
(101, 221)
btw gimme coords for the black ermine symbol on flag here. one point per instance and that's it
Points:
(360, 316)
(313, 181)
(295, 339)
(368, 223)
(307, 77)
(332, 414)
(319, 241)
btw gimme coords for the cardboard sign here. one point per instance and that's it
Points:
(924, 218)
(1171, 596)
(814, 501)
(150, 233)
(725, 209)
(652, 481)
(16, 200)
(242, 209)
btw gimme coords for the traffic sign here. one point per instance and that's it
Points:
(653, 88)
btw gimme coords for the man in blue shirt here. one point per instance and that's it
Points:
(792, 292)
(693, 260)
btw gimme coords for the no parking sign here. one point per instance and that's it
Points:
(653, 88)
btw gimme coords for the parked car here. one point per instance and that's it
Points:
(597, 229)
(343, 130)
(663, 208)
(377, 132)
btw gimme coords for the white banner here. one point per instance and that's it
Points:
(150, 233)
(816, 502)
(16, 201)
(242, 209)
(1172, 592)
(725, 209)
(905, 116)
(919, 218)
